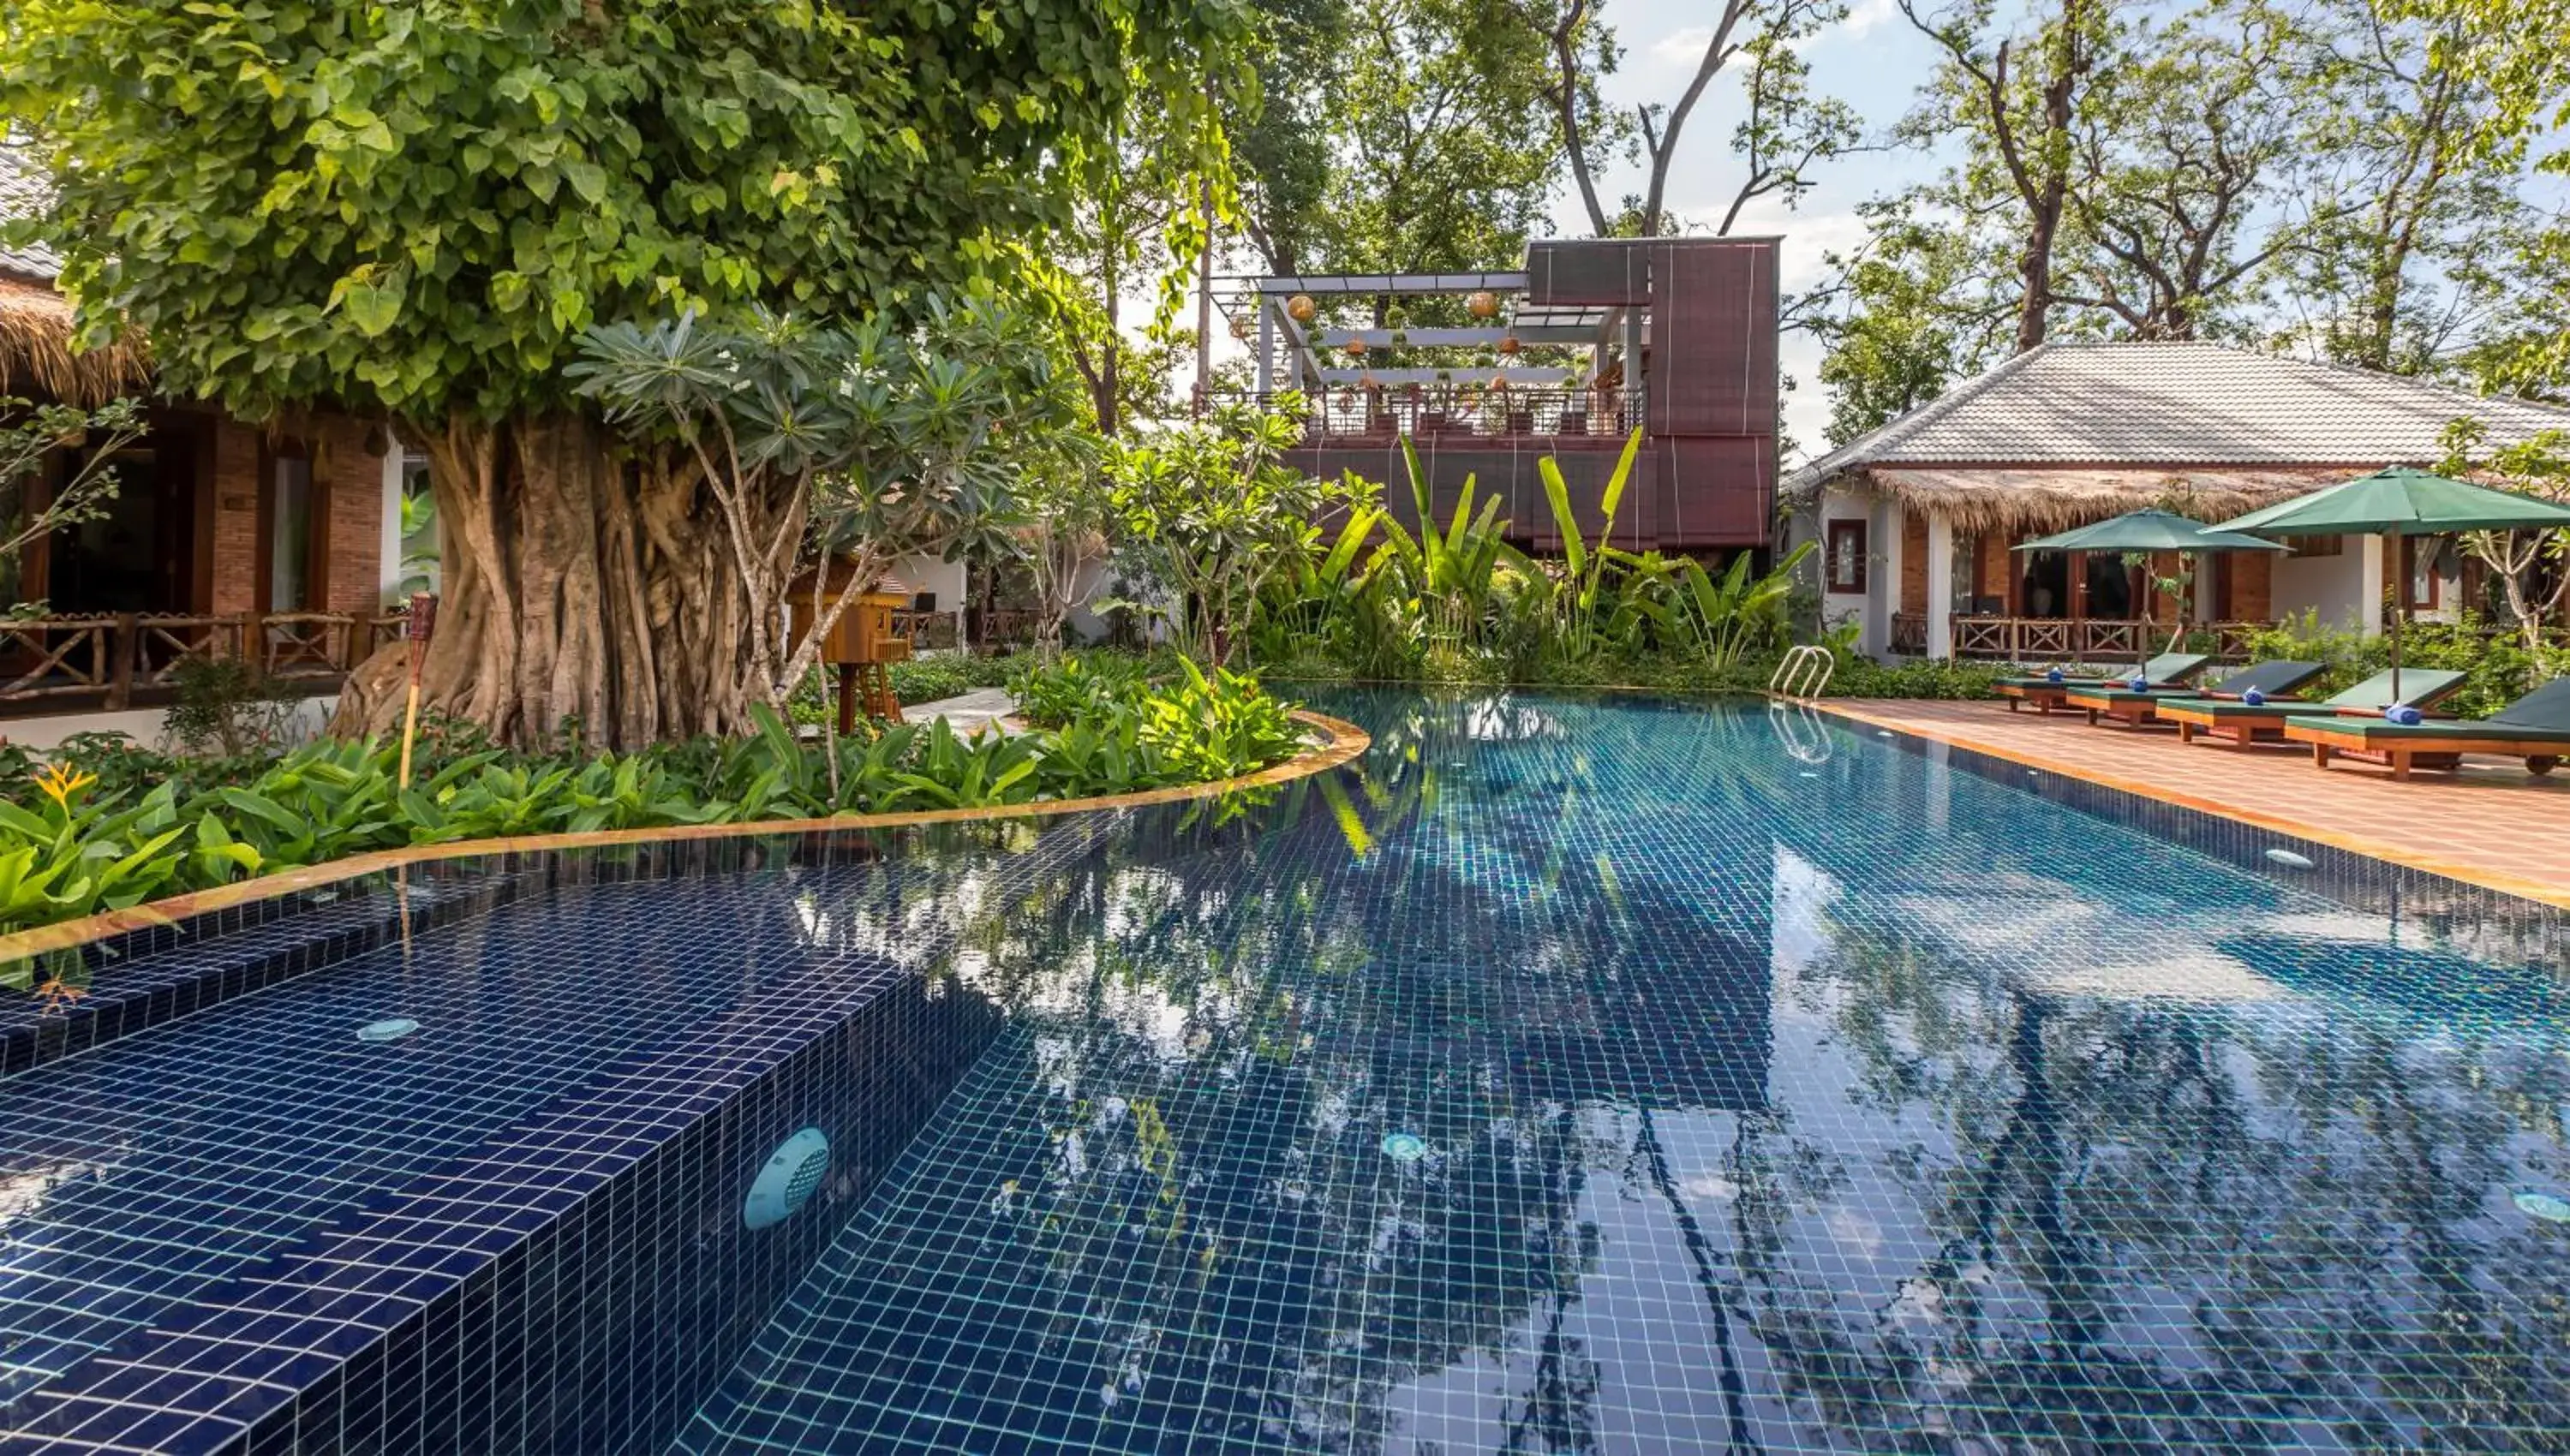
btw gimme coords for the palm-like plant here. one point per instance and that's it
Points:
(1584, 599)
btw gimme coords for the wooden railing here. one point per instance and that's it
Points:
(1456, 411)
(104, 658)
(927, 630)
(1910, 633)
(2059, 640)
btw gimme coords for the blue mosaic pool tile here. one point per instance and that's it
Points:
(1607, 1075)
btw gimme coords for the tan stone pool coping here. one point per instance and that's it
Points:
(1346, 741)
(2492, 824)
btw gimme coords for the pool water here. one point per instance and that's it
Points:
(1617, 1075)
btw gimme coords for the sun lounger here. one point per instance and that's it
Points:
(2535, 728)
(2133, 709)
(2169, 669)
(2248, 723)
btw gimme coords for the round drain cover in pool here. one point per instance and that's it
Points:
(1404, 1147)
(391, 1028)
(2552, 1207)
(792, 1175)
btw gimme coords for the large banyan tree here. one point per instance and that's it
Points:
(419, 210)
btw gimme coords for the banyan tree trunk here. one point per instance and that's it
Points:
(580, 588)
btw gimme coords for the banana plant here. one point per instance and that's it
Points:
(1584, 587)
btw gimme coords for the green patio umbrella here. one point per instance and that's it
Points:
(2400, 501)
(2149, 530)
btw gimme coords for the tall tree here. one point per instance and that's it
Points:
(1921, 303)
(417, 210)
(1786, 134)
(1283, 140)
(2413, 176)
(2175, 152)
(1445, 154)
(2019, 116)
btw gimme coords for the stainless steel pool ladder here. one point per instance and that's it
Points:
(1803, 673)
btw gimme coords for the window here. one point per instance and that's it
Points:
(2299, 547)
(1845, 555)
(2421, 561)
(1964, 575)
(293, 533)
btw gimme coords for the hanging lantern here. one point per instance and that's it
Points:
(1508, 346)
(1356, 348)
(1242, 328)
(1300, 308)
(1484, 304)
(1499, 382)
(1366, 380)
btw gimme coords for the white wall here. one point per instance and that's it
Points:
(388, 563)
(946, 578)
(1875, 638)
(2333, 586)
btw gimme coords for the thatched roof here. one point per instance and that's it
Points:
(37, 357)
(2042, 500)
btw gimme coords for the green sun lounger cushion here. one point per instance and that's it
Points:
(2169, 669)
(2541, 716)
(2420, 686)
(2280, 676)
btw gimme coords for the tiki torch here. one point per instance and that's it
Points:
(417, 623)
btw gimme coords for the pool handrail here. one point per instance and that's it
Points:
(1804, 672)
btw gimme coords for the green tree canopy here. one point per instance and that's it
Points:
(420, 210)
(422, 207)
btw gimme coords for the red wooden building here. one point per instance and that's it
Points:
(1488, 373)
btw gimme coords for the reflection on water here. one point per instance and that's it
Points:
(1617, 1076)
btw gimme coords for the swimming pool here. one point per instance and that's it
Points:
(1572, 1074)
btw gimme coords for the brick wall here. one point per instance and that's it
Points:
(353, 483)
(2252, 590)
(1997, 567)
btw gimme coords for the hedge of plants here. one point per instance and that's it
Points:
(102, 823)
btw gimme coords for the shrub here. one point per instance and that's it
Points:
(2497, 668)
(74, 841)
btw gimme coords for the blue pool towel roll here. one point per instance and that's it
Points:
(2253, 698)
(2405, 715)
(2052, 675)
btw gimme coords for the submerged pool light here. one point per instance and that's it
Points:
(1404, 1147)
(787, 1180)
(2289, 858)
(391, 1028)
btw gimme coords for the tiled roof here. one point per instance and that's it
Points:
(22, 195)
(2191, 404)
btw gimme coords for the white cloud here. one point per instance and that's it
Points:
(1865, 14)
(1684, 47)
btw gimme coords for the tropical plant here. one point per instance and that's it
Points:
(72, 844)
(1222, 511)
(1725, 619)
(1584, 601)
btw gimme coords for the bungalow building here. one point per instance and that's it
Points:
(1918, 520)
(276, 541)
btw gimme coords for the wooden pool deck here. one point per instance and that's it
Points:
(2492, 823)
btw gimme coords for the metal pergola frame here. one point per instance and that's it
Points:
(1303, 348)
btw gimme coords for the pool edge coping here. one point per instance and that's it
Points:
(1347, 742)
(2530, 890)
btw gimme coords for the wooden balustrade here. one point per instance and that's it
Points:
(50, 656)
(106, 658)
(2094, 639)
